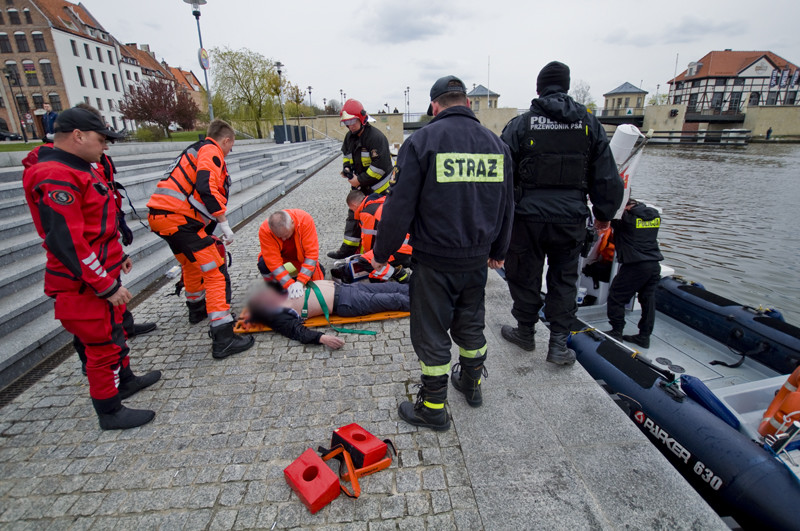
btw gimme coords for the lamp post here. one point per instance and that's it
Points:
(202, 54)
(280, 65)
(7, 71)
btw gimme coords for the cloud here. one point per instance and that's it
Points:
(689, 29)
(413, 20)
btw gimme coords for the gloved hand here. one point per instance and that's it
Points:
(124, 230)
(227, 233)
(296, 290)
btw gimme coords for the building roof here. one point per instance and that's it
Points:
(480, 90)
(728, 63)
(626, 88)
(147, 61)
(186, 79)
(73, 18)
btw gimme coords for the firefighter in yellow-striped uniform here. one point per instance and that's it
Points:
(366, 164)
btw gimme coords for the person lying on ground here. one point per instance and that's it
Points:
(281, 313)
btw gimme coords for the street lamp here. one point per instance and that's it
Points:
(201, 53)
(280, 65)
(7, 71)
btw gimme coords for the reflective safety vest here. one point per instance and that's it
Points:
(306, 255)
(554, 154)
(369, 214)
(196, 185)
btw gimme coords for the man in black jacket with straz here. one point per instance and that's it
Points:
(561, 153)
(453, 194)
(636, 245)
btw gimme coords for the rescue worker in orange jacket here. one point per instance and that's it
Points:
(73, 211)
(368, 211)
(289, 236)
(189, 202)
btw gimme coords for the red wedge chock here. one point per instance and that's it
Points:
(314, 482)
(364, 448)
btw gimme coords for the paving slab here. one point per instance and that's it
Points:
(548, 449)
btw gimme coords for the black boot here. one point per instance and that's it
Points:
(467, 379)
(226, 342)
(130, 384)
(429, 411)
(558, 352)
(114, 416)
(139, 329)
(197, 311)
(639, 339)
(522, 336)
(614, 333)
(343, 252)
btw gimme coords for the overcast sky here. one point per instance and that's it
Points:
(374, 49)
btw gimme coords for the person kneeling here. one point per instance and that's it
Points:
(282, 313)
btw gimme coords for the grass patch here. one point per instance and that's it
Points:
(17, 146)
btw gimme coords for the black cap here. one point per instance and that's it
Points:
(554, 74)
(444, 85)
(82, 120)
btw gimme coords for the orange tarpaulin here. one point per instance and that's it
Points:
(244, 326)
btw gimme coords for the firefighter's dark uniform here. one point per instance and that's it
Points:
(367, 156)
(453, 194)
(636, 244)
(560, 153)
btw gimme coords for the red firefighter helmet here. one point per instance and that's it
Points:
(353, 109)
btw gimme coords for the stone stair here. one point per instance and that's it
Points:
(260, 173)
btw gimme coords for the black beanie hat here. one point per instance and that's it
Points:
(553, 74)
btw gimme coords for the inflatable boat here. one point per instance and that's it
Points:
(701, 393)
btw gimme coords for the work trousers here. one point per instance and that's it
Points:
(442, 302)
(364, 298)
(531, 243)
(99, 334)
(641, 278)
(200, 263)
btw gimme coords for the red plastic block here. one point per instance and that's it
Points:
(314, 482)
(364, 448)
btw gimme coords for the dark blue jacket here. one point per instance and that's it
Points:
(453, 194)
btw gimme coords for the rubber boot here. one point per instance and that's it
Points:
(197, 311)
(226, 342)
(130, 384)
(343, 252)
(467, 379)
(639, 339)
(522, 336)
(614, 333)
(140, 329)
(429, 411)
(557, 351)
(114, 416)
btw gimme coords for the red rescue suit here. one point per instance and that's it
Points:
(301, 250)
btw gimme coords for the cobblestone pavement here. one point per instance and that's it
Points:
(547, 450)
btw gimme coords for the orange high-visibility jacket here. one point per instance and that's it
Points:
(368, 215)
(196, 185)
(306, 260)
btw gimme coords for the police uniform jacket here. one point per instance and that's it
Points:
(636, 235)
(367, 155)
(453, 194)
(552, 116)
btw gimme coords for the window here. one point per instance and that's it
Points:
(55, 101)
(721, 81)
(38, 101)
(128, 74)
(110, 57)
(47, 72)
(74, 48)
(136, 76)
(99, 54)
(738, 82)
(86, 51)
(791, 98)
(80, 77)
(772, 97)
(116, 84)
(22, 42)
(38, 42)
(94, 79)
(99, 104)
(28, 19)
(110, 105)
(13, 17)
(105, 80)
(22, 101)
(5, 44)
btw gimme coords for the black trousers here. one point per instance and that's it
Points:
(531, 243)
(364, 298)
(442, 302)
(641, 278)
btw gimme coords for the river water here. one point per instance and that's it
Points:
(731, 218)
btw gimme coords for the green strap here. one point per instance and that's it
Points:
(321, 299)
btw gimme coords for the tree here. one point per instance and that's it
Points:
(151, 101)
(186, 110)
(658, 99)
(248, 80)
(582, 93)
